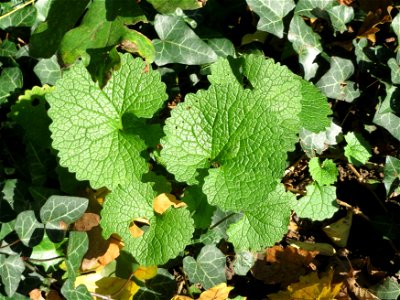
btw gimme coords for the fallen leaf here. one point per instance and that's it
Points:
(339, 231)
(135, 230)
(310, 287)
(321, 248)
(374, 18)
(144, 273)
(282, 265)
(112, 252)
(218, 292)
(36, 294)
(53, 295)
(87, 222)
(163, 201)
(180, 297)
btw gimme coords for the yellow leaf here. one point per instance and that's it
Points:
(339, 231)
(310, 287)
(179, 297)
(144, 273)
(115, 287)
(163, 201)
(218, 292)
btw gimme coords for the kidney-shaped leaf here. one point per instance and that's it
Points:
(241, 136)
(92, 128)
(167, 234)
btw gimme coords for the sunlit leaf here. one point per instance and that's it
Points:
(29, 230)
(358, 150)
(325, 173)
(63, 209)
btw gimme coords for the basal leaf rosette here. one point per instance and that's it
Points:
(166, 234)
(93, 128)
(238, 135)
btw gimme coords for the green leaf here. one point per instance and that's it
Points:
(208, 269)
(357, 150)
(162, 286)
(222, 47)
(47, 254)
(201, 211)
(166, 7)
(8, 49)
(310, 8)
(178, 43)
(48, 70)
(391, 173)
(318, 204)
(388, 289)
(394, 65)
(306, 43)
(78, 245)
(334, 83)
(314, 108)
(11, 269)
(6, 228)
(244, 261)
(340, 15)
(63, 209)
(71, 292)
(56, 24)
(263, 223)
(325, 174)
(103, 27)
(29, 230)
(384, 115)
(10, 80)
(93, 129)
(395, 25)
(271, 14)
(167, 235)
(19, 17)
(237, 132)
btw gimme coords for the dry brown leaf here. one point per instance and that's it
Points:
(218, 292)
(36, 294)
(282, 265)
(180, 297)
(358, 291)
(135, 230)
(111, 253)
(163, 201)
(87, 222)
(310, 287)
(374, 18)
(320, 248)
(53, 295)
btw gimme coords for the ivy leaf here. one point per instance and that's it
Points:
(46, 252)
(325, 174)
(29, 230)
(318, 204)
(264, 223)
(314, 108)
(64, 209)
(391, 173)
(10, 80)
(311, 8)
(395, 25)
(340, 15)
(209, 267)
(20, 17)
(238, 132)
(385, 117)
(48, 70)
(271, 14)
(71, 292)
(167, 235)
(11, 269)
(78, 245)
(92, 128)
(394, 65)
(104, 26)
(244, 261)
(222, 47)
(166, 7)
(306, 43)
(357, 150)
(388, 289)
(51, 31)
(334, 83)
(178, 43)
(8, 49)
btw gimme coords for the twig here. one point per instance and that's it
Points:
(17, 8)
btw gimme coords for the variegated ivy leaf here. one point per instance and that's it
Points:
(99, 132)
(271, 13)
